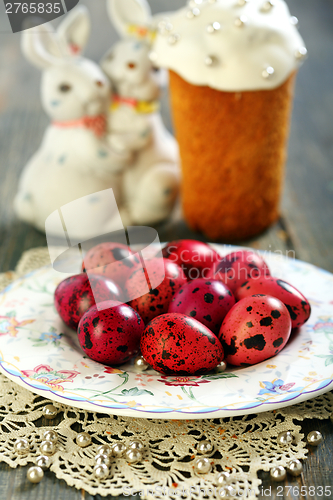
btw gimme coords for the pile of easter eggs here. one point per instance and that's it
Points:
(206, 308)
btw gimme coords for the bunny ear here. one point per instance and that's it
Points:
(75, 30)
(40, 46)
(128, 14)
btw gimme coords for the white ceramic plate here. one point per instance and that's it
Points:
(38, 352)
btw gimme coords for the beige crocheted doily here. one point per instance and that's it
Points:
(242, 445)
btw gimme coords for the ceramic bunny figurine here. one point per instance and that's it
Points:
(151, 183)
(75, 158)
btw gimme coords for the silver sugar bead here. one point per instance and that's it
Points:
(35, 474)
(83, 439)
(221, 367)
(285, 439)
(213, 28)
(103, 459)
(101, 471)
(268, 72)
(21, 446)
(210, 61)
(301, 53)
(241, 3)
(191, 14)
(173, 39)
(267, 6)
(294, 21)
(222, 478)
(140, 363)
(118, 449)
(295, 467)
(278, 473)
(50, 436)
(165, 27)
(240, 21)
(43, 461)
(226, 493)
(314, 438)
(202, 466)
(136, 445)
(104, 449)
(204, 447)
(47, 448)
(50, 412)
(195, 3)
(133, 456)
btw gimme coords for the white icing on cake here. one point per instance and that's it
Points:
(254, 45)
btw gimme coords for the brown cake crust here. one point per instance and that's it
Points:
(233, 152)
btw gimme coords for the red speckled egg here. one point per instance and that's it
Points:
(194, 257)
(206, 301)
(255, 329)
(156, 301)
(237, 267)
(73, 296)
(111, 336)
(297, 305)
(111, 260)
(176, 344)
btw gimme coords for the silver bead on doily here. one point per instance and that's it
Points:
(164, 27)
(47, 448)
(285, 439)
(295, 467)
(21, 446)
(118, 449)
(133, 456)
(103, 459)
(267, 6)
(268, 72)
(294, 21)
(50, 436)
(140, 363)
(202, 466)
(226, 493)
(240, 21)
(213, 28)
(104, 449)
(83, 439)
(50, 412)
(210, 61)
(204, 447)
(43, 461)
(192, 13)
(301, 53)
(314, 438)
(173, 39)
(241, 3)
(101, 471)
(35, 474)
(222, 478)
(136, 445)
(278, 473)
(221, 367)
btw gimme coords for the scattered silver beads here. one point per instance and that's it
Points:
(213, 28)
(50, 412)
(222, 478)
(133, 456)
(136, 445)
(202, 466)
(221, 367)
(285, 439)
(104, 449)
(35, 474)
(191, 14)
(314, 438)
(103, 460)
(301, 53)
(21, 446)
(140, 363)
(50, 436)
(101, 471)
(118, 449)
(210, 61)
(278, 473)
(43, 461)
(47, 448)
(240, 21)
(295, 467)
(164, 27)
(172, 40)
(294, 21)
(204, 447)
(268, 72)
(83, 439)
(267, 6)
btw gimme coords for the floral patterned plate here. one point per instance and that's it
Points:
(38, 352)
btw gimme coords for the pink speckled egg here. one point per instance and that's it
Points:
(206, 301)
(255, 329)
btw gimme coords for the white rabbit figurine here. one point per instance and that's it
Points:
(151, 183)
(75, 159)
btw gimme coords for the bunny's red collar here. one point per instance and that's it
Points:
(97, 124)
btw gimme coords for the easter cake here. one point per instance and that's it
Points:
(232, 66)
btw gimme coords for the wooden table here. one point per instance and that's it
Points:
(305, 227)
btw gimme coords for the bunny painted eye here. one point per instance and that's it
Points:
(131, 65)
(99, 84)
(64, 87)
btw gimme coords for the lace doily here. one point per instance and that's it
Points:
(242, 445)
